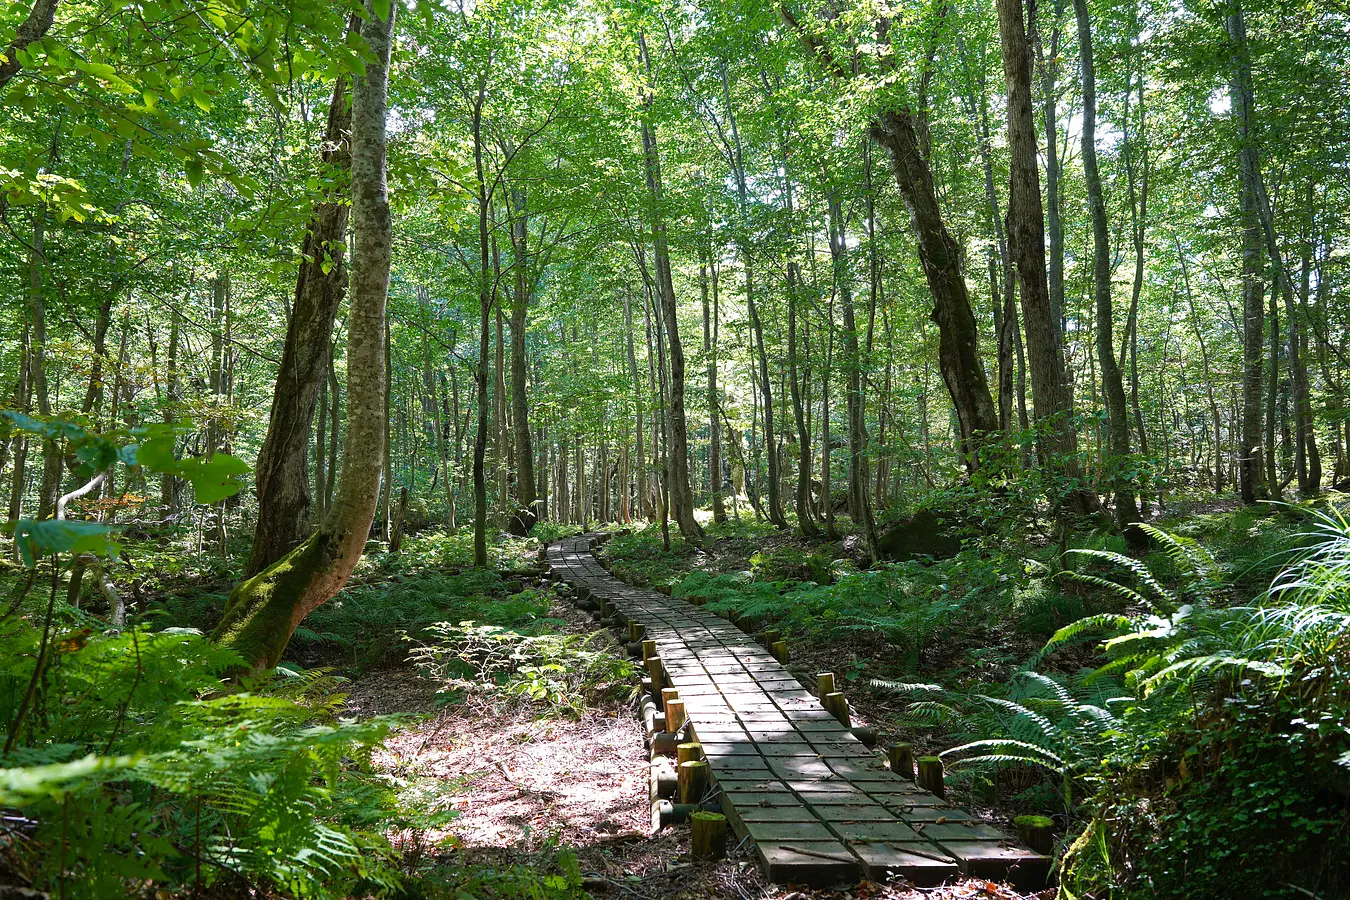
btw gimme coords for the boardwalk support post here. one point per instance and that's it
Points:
(1037, 831)
(836, 705)
(902, 760)
(693, 779)
(824, 684)
(709, 836)
(930, 775)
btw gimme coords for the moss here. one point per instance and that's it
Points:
(261, 612)
(1032, 822)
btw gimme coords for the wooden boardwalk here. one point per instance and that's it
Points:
(819, 807)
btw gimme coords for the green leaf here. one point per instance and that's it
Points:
(196, 172)
(62, 536)
(214, 479)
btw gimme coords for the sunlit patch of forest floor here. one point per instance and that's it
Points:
(527, 785)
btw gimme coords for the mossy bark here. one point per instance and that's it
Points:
(264, 610)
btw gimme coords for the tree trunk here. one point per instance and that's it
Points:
(1113, 388)
(710, 335)
(681, 495)
(940, 255)
(480, 510)
(643, 495)
(264, 610)
(859, 502)
(33, 28)
(1251, 466)
(526, 512)
(282, 479)
(1050, 390)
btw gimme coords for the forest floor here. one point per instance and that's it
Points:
(526, 787)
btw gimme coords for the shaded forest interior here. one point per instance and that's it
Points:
(992, 357)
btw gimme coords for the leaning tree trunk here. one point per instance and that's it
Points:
(958, 335)
(283, 482)
(1050, 389)
(264, 610)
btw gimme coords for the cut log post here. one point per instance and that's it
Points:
(779, 649)
(1038, 832)
(674, 715)
(708, 841)
(824, 684)
(656, 672)
(837, 705)
(583, 593)
(930, 775)
(634, 649)
(648, 650)
(636, 631)
(902, 760)
(693, 779)
(690, 751)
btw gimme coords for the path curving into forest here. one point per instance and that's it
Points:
(815, 804)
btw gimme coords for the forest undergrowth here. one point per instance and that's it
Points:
(1179, 715)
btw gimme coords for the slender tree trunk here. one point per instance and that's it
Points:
(526, 512)
(1310, 484)
(681, 494)
(826, 497)
(480, 504)
(1251, 464)
(1113, 388)
(1138, 200)
(859, 502)
(282, 480)
(1054, 195)
(710, 335)
(264, 610)
(643, 493)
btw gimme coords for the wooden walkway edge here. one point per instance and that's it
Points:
(818, 806)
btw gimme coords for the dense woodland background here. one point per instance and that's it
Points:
(926, 332)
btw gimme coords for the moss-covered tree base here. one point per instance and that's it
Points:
(263, 611)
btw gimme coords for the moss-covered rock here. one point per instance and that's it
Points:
(929, 532)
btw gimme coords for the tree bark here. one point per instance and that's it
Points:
(33, 28)
(710, 335)
(526, 512)
(282, 477)
(264, 610)
(1113, 387)
(681, 495)
(1050, 390)
(859, 501)
(940, 255)
(1251, 466)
